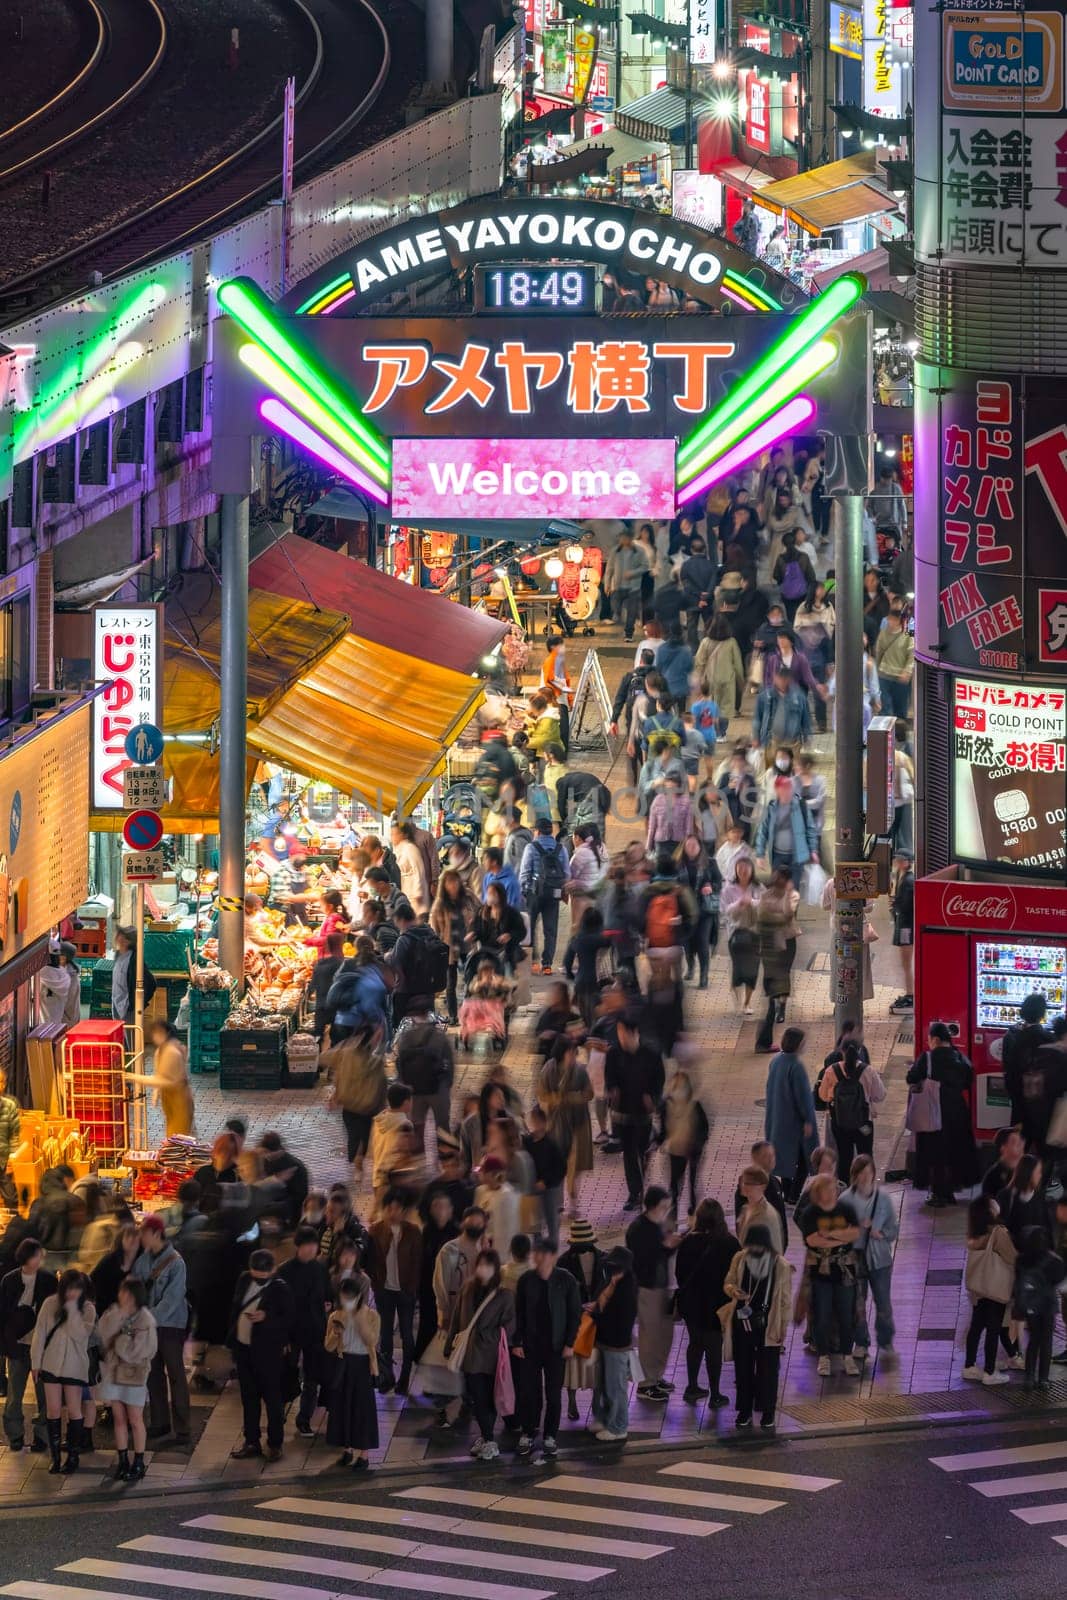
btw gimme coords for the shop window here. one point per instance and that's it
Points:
(16, 671)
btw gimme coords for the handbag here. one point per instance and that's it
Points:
(923, 1113)
(1057, 1128)
(989, 1276)
(504, 1382)
(433, 1374)
(454, 1361)
(585, 1339)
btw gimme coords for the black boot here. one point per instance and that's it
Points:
(138, 1470)
(55, 1439)
(74, 1430)
(122, 1469)
(87, 1446)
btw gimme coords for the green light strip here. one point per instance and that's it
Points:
(802, 333)
(320, 294)
(744, 286)
(249, 307)
(775, 395)
(285, 386)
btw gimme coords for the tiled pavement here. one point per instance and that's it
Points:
(930, 1304)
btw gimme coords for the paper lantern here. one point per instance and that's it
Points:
(530, 566)
(553, 567)
(574, 553)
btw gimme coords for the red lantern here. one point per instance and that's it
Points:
(530, 566)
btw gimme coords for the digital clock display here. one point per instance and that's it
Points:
(522, 289)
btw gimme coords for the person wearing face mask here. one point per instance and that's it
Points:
(261, 1326)
(59, 1361)
(484, 1310)
(352, 1335)
(548, 1308)
(309, 1285)
(313, 1213)
(755, 1320)
(438, 1229)
(453, 1268)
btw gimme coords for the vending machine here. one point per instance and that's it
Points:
(980, 949)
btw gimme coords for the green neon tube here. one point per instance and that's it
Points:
(285, 386)
(775, 395)
(805, 329)
(249, 306)
(321, 294)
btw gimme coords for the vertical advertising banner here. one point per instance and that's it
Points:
(554, 69)
(758, 112)
(1001, 138)
(702, 32)
(127, 659)
(881, 75)
(585, 43)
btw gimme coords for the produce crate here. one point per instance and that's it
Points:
(168, 950)
(302, 1062)
(208, 1009)
(247, 1048)
(236, 1079)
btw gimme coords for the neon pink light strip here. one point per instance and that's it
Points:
(791, 416)
(329, 310)
(279, 416)
(736, 298)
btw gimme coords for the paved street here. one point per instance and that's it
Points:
(956, 1513)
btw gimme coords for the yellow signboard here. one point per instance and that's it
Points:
(44, 824)
(585, 44)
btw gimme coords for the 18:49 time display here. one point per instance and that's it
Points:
(524, 289)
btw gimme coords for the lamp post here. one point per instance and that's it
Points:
(688, 86)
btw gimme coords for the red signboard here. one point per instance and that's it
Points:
(758, 113)
(992, 907)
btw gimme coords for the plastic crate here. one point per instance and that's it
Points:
(234, 1080)
(248, 1045)
(301, 1077)
(208, 1009)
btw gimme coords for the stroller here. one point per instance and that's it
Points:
(485, 1014)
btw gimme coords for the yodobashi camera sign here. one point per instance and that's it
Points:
(686, 257)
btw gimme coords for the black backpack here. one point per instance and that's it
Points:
(849, 1104)
(549, 876)
(428, 974)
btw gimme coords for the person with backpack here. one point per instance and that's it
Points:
(1022, 1079)
(543, 879)
(794, 574)
(846, 1087)
(990, 1281)
(1038, 1272)
(358, 997)
(425, 1061)
(675, 662)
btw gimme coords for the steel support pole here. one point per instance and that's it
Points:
(233, 790)
(847, 954)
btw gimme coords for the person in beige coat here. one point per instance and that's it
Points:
(755, 1319)
(127, 1335)
(59, 1360)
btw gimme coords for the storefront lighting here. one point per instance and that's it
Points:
(251, 309)
(781, 389)
(279, 416)
(804, 331)
(792, 416)
(574, 553)
(553, 568)
(722, 69)
(285, 387)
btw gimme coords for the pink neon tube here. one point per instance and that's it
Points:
(791, 416)
(279, 416)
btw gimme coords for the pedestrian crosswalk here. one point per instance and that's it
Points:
(572, 1530)
(1018, 1484)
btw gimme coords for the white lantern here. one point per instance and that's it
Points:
(574, 553)
(554, 567)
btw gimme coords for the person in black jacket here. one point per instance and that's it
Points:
(652, 1246)
(323, 973)
(438, 1229)
(426, 1063)
(700, 1267)
(1023, 1204)
(1019, 1053)
(291, 1172)
(550, 1170)
(23, 1291)
(764, 1155)
(633, 1079)
(312, 1298)
(615, 1310)
(261, 1328)
(548, 1309)
(948, 1158)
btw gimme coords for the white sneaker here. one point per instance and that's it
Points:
(490, 1451)
(851, 1369)
(823, 1369)
(1015, 1363)
(973, 1374)
(477, 1447)
(607, 1437)
(993, 1379)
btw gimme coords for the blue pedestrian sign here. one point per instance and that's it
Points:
(144, 744)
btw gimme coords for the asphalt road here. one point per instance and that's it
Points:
(889, 1516)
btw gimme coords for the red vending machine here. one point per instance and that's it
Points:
(981, 948)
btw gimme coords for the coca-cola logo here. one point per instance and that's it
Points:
(983, 907)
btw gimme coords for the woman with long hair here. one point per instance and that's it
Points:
(740, 911)
(589, 869)
(699, 872)
(484, 1310)
(700, 1267)
(497, 926)
(452, 919)
(564, 1093)
(127, 1336)
(59, 1357)
(720, 671)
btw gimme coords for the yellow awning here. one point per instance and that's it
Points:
(828, 196)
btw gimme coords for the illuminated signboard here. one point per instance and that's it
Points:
(516, 478)
(846, 31)
(44, 809)
(127, 657)
(702, 32)
(758, 112)
(1009, 750)
(881, 75)
(585, 47)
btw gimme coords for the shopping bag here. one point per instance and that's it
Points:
(504, 1383)
(1057, 1128)
(814, 883)
(923, 1114)
(585, 1338)
(433, 1375)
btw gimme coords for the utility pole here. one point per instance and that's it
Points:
(233, 777)
(688, 86)
(848, 476)
(288, 138)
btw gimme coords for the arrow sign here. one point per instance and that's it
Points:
(142, 830)
(142, 866)
(143, 744)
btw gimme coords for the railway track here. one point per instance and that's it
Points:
(351, 65)
(130, 44)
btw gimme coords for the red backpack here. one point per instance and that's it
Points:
(661, 921)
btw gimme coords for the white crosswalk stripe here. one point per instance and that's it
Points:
(1019, 1484)
(566, 1530)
